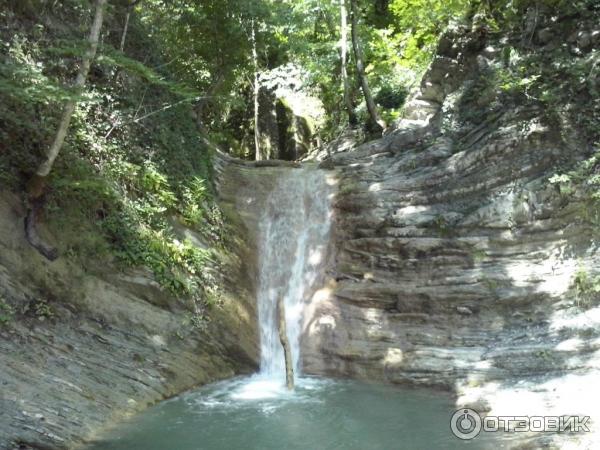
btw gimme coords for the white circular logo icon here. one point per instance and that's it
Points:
(465, 424)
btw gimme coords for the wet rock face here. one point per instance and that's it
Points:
(112, 344)
(456, 257)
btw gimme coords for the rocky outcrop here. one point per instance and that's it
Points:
(456, 258)
(288, 115)
(82, 351)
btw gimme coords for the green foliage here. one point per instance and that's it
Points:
(178, 266)
(22, 75)
(490, 283)
(504, 14)
(193, 196)
(42, 310)
(133, 164)
(442, 225)
(129, 205)
(390, 97)
(7, 177)
(563, 182)
(583, 181)
(26, 97)
(419, 23)
(583, 174)
(555, 79)
(479, 255)
(587, 287)
(197, 321)
(516, 82)
(6, 312)
(114, 59)
(311, 37)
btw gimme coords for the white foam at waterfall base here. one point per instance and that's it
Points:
(258, 389)
(294, 232)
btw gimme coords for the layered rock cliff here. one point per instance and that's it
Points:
(81, 350)
(458, 264)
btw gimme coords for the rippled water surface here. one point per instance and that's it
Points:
(258, 413)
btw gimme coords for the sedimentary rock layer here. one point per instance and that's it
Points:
(112, 345)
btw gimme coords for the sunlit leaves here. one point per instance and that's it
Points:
(420, 23)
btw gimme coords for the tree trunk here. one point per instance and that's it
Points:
(36, 185)
(257, 149)
(360, 68)
(285, 343)
(125, 28)
(44, 168)
(130, 8)
(344, 60)
(128, 12)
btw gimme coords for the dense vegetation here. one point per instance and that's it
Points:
(170, 77)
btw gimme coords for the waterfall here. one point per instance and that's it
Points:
(293, 240)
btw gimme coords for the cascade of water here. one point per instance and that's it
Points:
(293, 240)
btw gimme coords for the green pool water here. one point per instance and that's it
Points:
(258, 413)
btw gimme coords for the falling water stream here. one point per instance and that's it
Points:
(258, 412)
(293, 243)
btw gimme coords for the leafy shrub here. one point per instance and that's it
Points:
(391, 97)
(587, 287)
(6, 312)
(194, 196)
(132, 162)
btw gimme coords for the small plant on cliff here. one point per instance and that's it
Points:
(479, 255)
(442, 225)
(194, 196)
(38, 308)
(563, 183)
(583, 180)
(6, 312)
(197, 321)
(587, 287)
